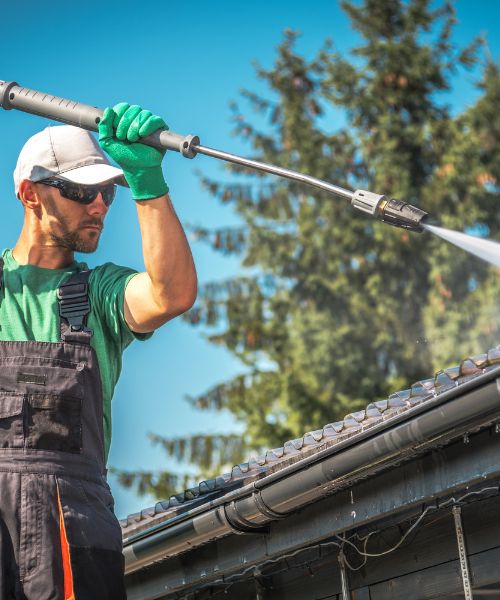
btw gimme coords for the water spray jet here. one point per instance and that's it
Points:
(485, 249)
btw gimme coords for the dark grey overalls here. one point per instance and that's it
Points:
(59, 537)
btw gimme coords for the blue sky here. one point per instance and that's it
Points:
(184, 61)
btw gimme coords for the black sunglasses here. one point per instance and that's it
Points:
(83, 194)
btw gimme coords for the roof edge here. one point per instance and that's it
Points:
(252, 507)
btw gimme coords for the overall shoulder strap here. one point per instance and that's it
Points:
(74, 307)
(1, 273)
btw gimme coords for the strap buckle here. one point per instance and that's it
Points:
(74, 305)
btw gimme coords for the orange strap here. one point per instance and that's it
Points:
(67, 572)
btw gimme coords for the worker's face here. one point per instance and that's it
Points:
(76, 227)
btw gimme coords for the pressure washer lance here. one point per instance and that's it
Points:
(394, 212)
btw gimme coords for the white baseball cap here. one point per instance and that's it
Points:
(67, 152)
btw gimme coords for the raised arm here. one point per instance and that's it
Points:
(168, 286)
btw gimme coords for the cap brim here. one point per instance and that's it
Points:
(95, 174)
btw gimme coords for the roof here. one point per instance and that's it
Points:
(353, 426)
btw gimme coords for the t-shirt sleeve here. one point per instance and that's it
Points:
(107, 285)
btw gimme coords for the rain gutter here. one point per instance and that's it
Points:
(251, 508)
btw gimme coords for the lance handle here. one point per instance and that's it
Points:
(13, 96)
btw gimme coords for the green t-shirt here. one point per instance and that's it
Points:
(29, 311)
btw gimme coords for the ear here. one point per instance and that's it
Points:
(29, 195)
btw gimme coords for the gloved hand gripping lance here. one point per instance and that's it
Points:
(394, 212)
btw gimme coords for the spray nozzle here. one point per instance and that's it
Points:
(402, 214)
(394, 212)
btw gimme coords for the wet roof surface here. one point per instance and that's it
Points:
(312, 442)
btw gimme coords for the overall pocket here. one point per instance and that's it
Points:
(11, 421)
(41, 375)
(54, 422)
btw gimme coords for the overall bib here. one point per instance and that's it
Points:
(59, 537)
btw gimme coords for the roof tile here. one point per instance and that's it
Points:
(443, 382)
(468, 368)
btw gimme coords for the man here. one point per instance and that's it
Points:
(63, 330)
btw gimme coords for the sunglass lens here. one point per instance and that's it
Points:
(108, 194)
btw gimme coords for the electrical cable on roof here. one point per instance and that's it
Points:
(238, 576)
(451, 500)
(365, 560)
(367, 555)
(254, 568)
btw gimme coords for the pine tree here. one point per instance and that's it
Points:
(340, 303)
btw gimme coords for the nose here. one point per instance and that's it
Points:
(98, 206)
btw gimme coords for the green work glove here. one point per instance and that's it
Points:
(120, 131)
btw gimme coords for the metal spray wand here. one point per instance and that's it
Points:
(389, 210)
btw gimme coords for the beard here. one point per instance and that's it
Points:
(75, 241)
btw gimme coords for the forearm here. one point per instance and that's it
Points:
(167, 256)
(168, 287)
